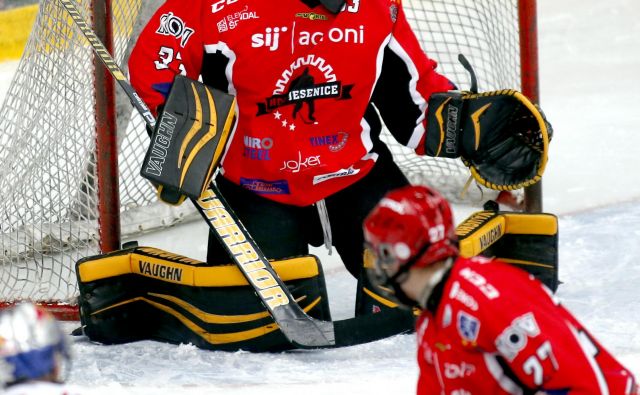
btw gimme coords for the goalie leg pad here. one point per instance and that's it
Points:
(528, 241)
(146, 293)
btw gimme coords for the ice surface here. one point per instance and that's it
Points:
(589, 62)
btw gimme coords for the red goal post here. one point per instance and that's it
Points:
(69, 184)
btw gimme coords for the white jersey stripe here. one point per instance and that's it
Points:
(226, 51)
(590, 351)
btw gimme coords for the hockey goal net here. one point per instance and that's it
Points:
(64, 195)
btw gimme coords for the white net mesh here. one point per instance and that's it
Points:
(48, 199)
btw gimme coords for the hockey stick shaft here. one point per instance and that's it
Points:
(299, 328)
(109, 62)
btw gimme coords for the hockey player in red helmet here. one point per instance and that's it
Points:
(486, 327)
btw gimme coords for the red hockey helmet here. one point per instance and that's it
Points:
(410, 227)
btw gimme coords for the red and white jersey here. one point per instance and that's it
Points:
(306, 83)
(497, 330)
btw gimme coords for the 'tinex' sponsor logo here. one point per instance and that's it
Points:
(299, 164)
(257, 149)
(330, 176)
(171, 25)
(335, 142)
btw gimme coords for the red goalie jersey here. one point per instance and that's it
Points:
(306, 83)
(496, 330)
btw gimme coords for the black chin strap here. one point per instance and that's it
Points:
(333, 5)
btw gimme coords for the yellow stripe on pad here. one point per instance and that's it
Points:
(166, 268)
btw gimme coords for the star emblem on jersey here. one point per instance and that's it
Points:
(306, 80)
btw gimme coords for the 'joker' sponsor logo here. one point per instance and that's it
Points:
(300, 164)
(171, 25)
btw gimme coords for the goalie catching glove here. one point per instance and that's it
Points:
(501, 136)
(188, 140)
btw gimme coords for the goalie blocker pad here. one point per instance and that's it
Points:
(501, 136)
(526, 240)
(146, 293)
(188, 140)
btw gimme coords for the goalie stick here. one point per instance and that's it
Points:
(298, 327)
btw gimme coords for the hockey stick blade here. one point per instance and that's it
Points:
(299, 328)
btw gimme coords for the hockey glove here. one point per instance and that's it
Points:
(501, 136)
(188, 140)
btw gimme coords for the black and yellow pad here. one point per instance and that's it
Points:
(146, 293)
(189, 139)
(501, 136)
(526, 240)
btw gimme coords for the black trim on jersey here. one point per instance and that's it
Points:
(512, 376)
(332, 5)
(213, 70)
(311, 3)
(393, 98)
